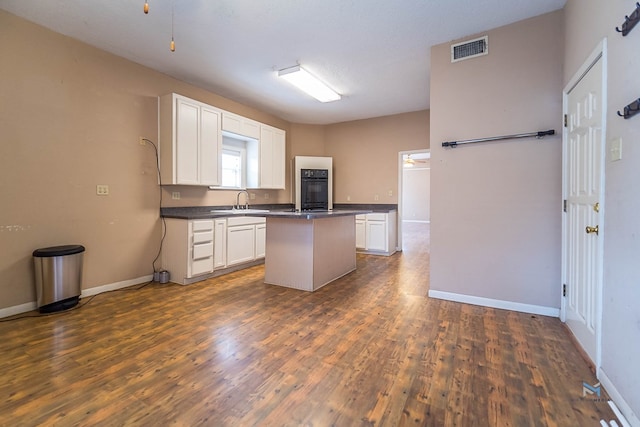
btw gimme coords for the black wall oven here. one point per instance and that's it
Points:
(314, 189)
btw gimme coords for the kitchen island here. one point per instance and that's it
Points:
(302, 250)
(307, 250)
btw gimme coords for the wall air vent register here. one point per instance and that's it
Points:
(470, 49)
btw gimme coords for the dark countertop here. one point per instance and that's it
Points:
(275, 211)
(373, 207)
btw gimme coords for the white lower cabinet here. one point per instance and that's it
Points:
(194, 249)
(377, 232)
(241, 244)
(245, 239)
(187, 250)
(361, 231)
(220, 243)
(261, 240)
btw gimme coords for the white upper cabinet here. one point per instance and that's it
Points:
(272, 157)
(190, 141)
(240, 125)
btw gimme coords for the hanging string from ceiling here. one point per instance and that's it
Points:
(145, 9)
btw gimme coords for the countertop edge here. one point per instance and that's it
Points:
(307, 215)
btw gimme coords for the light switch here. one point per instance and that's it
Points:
(615, 150)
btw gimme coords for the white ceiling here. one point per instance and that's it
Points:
(373, 52)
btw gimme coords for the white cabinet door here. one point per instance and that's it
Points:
(361, 234)
(261, 238)
(266, 157)
(220, 244)
(272, 157)
(278, 159)
(190, 141)
(187, 118)
(376, 236)
(241, 244)
(210, 155)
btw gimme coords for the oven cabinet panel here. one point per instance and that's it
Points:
(376, 233)
(272, 158)
(188, 248)
(190, 141)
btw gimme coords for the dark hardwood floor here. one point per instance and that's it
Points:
(368, 349)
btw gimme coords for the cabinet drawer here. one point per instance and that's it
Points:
(361, 217)
(203, 225)
(201, 266)
(203, 237)
(376, 217)
(203, 250)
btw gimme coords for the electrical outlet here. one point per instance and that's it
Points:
(390, 193)
(376, 197)
(348, 198)
(141, 140)
(266, 195)
(102, 190)
(175, 195)
(252, 196)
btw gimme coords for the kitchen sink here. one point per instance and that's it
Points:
(239, 211)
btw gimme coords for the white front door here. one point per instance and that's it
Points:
(583, 179)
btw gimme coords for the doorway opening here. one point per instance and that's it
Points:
(414, 193)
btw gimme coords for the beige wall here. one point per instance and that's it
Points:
(495, 207)
(365, 155)
(587, 22)
(70, 118)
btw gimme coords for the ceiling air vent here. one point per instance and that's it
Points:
(469, 49)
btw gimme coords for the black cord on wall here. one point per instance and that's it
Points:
(164, 224)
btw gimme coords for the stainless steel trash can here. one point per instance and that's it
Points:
(58, 277)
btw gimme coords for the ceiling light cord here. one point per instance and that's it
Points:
(172, 45)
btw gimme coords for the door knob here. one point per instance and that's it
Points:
(590, 230)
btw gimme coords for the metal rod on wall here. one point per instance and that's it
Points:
(540, 134)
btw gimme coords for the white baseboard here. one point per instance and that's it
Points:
(494, 303)
(113, 286)
(30, 306)
(17, 309)
(624, 412)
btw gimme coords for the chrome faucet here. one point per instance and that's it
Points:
(246, 200)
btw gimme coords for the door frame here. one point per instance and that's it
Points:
(400, 187)
(599, 53)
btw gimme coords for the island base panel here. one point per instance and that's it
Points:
(308, 254)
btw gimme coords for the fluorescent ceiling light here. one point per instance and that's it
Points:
(300, 78)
